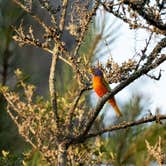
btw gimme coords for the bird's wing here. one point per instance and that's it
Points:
(106, 84)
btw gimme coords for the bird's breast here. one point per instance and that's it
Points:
(99, 87)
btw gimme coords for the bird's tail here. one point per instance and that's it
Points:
(115, 107)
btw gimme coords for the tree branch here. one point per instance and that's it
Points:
(52, 85)
(63, 15)
(155, 77)
(161, 44)
(76, 101)
(27, 139)
(124, 125)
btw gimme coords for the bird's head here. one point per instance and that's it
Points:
(97, 72)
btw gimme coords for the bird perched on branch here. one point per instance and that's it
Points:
(101, 87)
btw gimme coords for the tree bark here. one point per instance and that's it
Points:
(62, 154)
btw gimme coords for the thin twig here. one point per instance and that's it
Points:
(35, 17)
(141, 10)
(84, 29)
(52, 85)
(160, 45)
(63, 15)
(155, 77)
(143, 56)
(124, 125)
(18, 125)
(76, 101)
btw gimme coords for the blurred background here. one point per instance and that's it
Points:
(144, 95)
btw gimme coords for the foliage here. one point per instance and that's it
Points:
(28, 158)
(10, 159)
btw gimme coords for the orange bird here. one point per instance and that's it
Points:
(101, 87)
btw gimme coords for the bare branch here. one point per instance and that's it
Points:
(143, 56)
(124, 125)
(161, 44)
(155, 77)
(63, 15)
(52, 85)
(78, 97)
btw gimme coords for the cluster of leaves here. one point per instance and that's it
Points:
(28, 158)
(32, 116)
(115, 73)
(10, 159)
